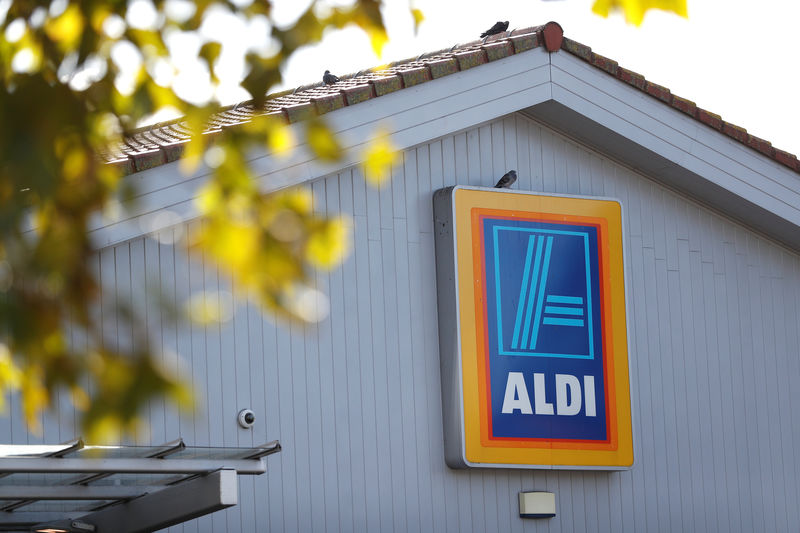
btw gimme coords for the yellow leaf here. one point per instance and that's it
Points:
(322, 141)
(10, 375)
(278, 267)
(418, 18)
(280, 139)
(79, 398)
(162, 97)
(378, 39)
(298, 199)
(182, 395)
(330, 243)
(105, 429)
(195, 121)
(634, 10)
(192, 156)
(34, 396)
(210, 199)
(286, 226)
(209, 307)
(75, 164)
(235, 244)
(379, 157)
(99, 16)
(116, 375)
(66, 29)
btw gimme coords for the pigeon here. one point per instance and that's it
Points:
(507, 180)
(329, 78)
(499, 27)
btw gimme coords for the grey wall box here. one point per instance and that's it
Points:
(537, 505)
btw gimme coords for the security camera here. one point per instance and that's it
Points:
(247, 418)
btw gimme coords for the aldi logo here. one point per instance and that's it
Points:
(536, 374)
(535, 309)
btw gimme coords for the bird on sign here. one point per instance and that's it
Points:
(499, 27)
(507, 180)
(329, 78)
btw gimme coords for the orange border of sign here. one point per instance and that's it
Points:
(479, 448)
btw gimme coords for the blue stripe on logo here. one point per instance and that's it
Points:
(563, 310)
(529, 310)
(556, 299)
(522, 290)
(540, 299)
(563, 321)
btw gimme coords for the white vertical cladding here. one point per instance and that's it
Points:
(356, 400)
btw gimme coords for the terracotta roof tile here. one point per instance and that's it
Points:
(299, 111)
(358, 93)
(386, 84)
(524, 42)
(604, 63)
(762, 145)
(173, 152)
(731, 130)
(659, 91)
(709, 119)
(632, 78)
(325, 103)
(148, 159)
(470, 58)
(498, 50)
(687, 106)
(790, 160)
(415, 76)
(164, 143)
(577, 49)
(442, 67)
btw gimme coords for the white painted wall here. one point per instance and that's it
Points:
(356, 401)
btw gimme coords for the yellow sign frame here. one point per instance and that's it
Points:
(477, 449)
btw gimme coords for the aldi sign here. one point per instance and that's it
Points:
(533, 331)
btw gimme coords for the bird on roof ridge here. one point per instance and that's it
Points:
(499, 27)
(507, 180)
(329, 79)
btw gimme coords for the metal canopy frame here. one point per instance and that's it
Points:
(74, 487)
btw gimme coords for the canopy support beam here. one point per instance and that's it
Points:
(167, 507)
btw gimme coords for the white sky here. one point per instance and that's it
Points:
(736, 58)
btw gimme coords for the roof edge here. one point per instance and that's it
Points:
(712, 120)
(165, 142)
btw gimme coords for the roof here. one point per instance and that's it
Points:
(165, 142)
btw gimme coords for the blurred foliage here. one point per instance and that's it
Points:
(76, 78)
(379, 157)
(635, 10)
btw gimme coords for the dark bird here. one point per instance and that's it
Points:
(329, 78)
(499, 27)
(507, 180)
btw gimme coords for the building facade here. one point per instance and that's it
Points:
(713, 280)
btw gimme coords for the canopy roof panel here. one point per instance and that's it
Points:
(47, 487)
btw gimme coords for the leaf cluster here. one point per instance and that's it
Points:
(635, 10)
(77, 77)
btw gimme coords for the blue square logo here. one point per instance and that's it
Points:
(544, 292)
(544, 326)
